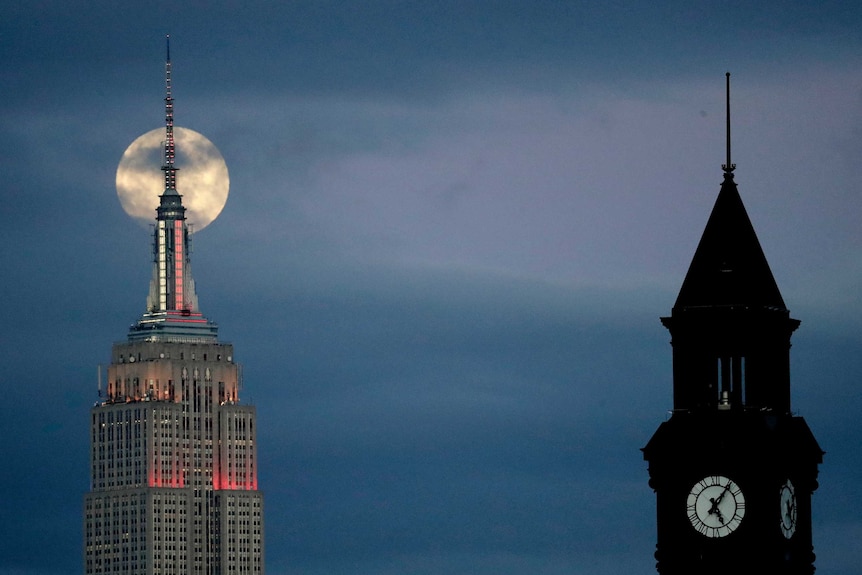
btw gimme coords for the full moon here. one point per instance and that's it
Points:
(202, 177)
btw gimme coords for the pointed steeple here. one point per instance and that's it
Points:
(730, 327)
(172, 303)
(729, 267)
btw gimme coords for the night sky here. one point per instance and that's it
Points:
(451, 231)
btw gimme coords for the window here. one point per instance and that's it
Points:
(731, 381)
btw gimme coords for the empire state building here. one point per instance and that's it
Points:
(173, 486)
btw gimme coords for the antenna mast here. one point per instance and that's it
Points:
(728, 167)
(168, 167)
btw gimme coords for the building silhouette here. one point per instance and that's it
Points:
(173, 451)
(733, 469)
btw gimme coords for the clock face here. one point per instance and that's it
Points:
(788, 509)
(715, 506)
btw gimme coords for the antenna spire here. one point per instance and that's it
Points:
(728, 167)
(168, 167)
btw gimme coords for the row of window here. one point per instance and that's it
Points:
(132, 358)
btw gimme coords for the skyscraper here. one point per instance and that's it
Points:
(173, 453)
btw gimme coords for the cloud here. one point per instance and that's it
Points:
(580, 183)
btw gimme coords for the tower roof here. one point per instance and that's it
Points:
(168, 167)
(172, 304)
(729, 267)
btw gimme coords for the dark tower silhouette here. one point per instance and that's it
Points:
(733, 469)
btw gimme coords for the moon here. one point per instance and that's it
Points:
(202, 177)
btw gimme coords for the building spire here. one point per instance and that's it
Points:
(729, 268)
(168, 167)
(172, 304)
(728, 167)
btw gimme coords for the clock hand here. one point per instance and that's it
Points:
(714, 510)
(720, 497)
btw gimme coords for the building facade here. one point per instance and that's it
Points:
(173, 486)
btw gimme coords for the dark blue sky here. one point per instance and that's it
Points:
(451, 230)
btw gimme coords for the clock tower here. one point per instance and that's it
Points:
(732, 468)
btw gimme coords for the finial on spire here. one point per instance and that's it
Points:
(168, 167)
(728, 167)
